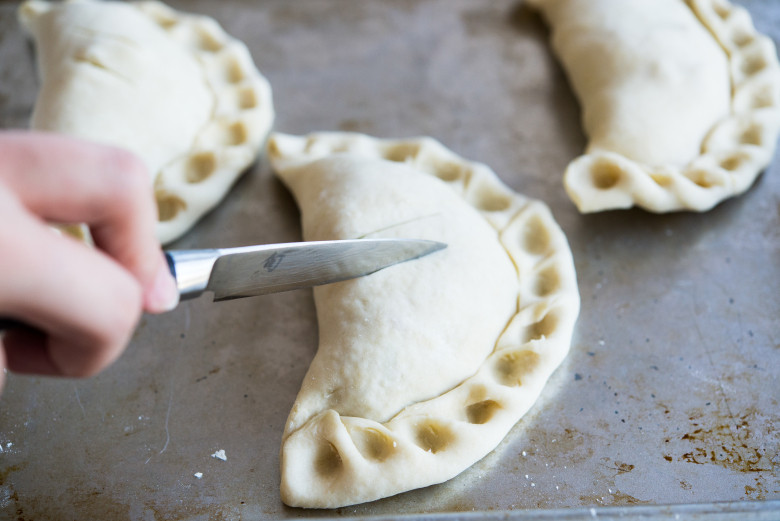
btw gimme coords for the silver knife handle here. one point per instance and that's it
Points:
(191, 269)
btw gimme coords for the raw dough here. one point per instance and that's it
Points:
(423, 367)
(680, 100)
(172, 87)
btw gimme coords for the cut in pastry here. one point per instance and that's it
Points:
(174, 88)
(422, 368)
(680, 100)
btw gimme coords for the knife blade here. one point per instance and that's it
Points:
(232, 273)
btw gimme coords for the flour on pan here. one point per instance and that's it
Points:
(220, 454)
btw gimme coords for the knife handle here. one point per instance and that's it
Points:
(10, 323)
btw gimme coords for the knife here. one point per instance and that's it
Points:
(231, 273)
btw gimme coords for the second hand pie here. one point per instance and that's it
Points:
(172, 87)
(680, 100)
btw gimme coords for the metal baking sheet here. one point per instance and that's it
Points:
(668, 397)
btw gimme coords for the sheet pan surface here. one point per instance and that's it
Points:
(668, 396)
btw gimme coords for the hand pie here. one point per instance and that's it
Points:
(173, 88)
(422, 368)
(680, 100)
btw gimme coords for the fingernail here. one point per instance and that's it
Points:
(164, 295)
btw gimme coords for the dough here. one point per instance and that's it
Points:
(422, 368)
(173, 88)
(680, 100)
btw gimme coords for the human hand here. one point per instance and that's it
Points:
(83, 302)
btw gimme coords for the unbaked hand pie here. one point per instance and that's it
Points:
(680, 100)
(174, 88)
(422, 368)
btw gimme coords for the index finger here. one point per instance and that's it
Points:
(64, 179)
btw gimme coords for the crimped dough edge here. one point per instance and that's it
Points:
(231, 140)
(732, 155)
(334, 460)
(193, 183)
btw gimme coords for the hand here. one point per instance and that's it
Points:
(84, 302)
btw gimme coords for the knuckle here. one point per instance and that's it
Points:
(126, 161)
(129, 180)
(9, 212)
(126, 312)
(114, 332)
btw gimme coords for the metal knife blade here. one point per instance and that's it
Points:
(232, 273)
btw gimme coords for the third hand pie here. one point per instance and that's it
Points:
(172, 87)
(680, 100)
(422, 368)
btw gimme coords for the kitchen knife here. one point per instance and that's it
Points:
(231, 273)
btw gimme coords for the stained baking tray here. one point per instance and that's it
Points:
(668, 397)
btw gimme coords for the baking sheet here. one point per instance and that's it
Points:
(669, 394)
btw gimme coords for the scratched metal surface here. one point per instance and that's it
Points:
(670, 392)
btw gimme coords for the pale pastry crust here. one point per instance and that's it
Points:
(172, 87)
(680, 100)
(423, 367)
